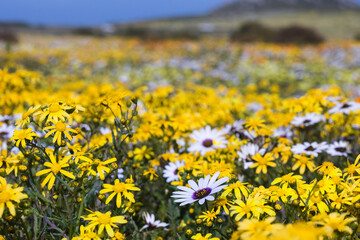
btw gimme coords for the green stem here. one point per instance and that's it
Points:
(25, 229)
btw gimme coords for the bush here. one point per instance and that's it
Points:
(157, 35)
(357, 37)
(9, 36)
(299, 35)
(87, 31)
(253, 32)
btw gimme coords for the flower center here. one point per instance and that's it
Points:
(55, 168)
(54, 108)
(60, 127)
(345, 106)
(246, 209)
(351, 169)
(201, 193)
(310, 148)
(341, 149)
(119, 187)
(307, 121)
(22, 135)
(104, 219)
(207, 142)
(5, 197)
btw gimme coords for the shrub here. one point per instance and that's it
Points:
(357, 37)
(253, 32)
(9, 36)
(299, 35)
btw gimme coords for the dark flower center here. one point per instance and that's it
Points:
(207, 142)
(307, 121)
(345, 105)
(3, 134)
(201, 193)
(310, 148)
(341, 149)
(176, 171)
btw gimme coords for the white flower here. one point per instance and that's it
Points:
(313, 148)
(152, 223)
(201, 191)
(307, 120)
(6, 131)
(345, 108)
(207, 139)
(284, 132)
(340, 148)
(105, 130)
(120, 174)
(171, 171)
(247, 151)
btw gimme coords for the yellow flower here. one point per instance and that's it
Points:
(9, 194)
(262, 162)
(118, 236)
(255, 229)
(59, 128)
(103, 221)
(303, 162)
(55, 112)
(222, 202)
(352, 168)
(254, 124)
(25, 119)
(152, 173)
(144, 152)
(208, 215)
(288, 178)
(87, 234)
(120, 189)
(249, 208)
(206, 237)
(20, 136)
(335, 222)
(238, 187)
(100, 166)
(54, 169)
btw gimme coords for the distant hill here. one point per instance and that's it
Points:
(260, 6)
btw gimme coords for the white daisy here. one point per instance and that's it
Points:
(152, 223)
(313, 148)
(6, 131)
(247, 151)
(171, 171)
(345, 108)
(207, 139)
(340, 148)
(284, 132)
(308, 120)
(201, 191)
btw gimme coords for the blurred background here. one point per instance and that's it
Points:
(311, 21)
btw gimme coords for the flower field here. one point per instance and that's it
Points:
(123, 139)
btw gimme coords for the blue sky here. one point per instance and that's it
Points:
(90, 12)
